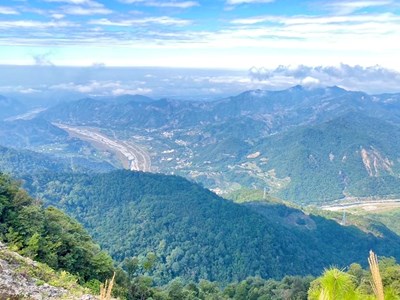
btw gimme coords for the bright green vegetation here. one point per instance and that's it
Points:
(355, 282)
(40, 273)
(351, 283)
(48, 235)
(244, 195)
(390, 218)
(186, 231)
(290, 287)
(299, 242)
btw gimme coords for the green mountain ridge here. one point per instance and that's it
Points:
(23, 278)
(195, 234)
(48, 235)
(19, 162)
(347, 156)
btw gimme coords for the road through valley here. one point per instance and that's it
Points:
(133, 156)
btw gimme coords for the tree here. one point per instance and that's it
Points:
(334, 284)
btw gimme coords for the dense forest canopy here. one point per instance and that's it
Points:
(48, 235)
(194, 234)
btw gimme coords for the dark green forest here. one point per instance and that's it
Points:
(48, 235)
(186, 231)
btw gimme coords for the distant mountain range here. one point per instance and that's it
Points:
(304, 145)
(278, 110)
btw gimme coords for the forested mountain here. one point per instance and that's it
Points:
(353, 155)
(304, 145)
(19, 162)
(59, 242)
(9, 107)
(48, 235)
(36, 144)
(194, 234)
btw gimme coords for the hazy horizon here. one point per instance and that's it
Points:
(56, 83)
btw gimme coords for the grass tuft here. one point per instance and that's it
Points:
(376, 283)
(106, 289)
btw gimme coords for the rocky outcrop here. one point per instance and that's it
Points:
(20, 278)
(375, 163)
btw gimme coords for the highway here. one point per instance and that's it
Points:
(366, 205)
(137, 158)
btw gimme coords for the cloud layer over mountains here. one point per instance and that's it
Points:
(374, 79)
(192, 84)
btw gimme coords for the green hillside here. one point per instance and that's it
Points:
(19, 162)
(48, 235)
(347, 156)
(194, 234)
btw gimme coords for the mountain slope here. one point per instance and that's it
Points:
(289, 141)
(19, 162)
(48, 235)
(23, 278)
(9, 107)
(49, 147)
(196, 234)
(347, 156)
(29, 133)
(279, 109)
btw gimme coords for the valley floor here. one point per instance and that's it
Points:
(365, 205)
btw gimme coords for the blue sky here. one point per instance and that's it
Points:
(236, 34)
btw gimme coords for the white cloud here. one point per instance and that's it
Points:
(369, 33)
(104, 88)
(33, 10)
(57, 16)
(310, 81)
(173, 4)
(164, 20)
(363, 38)
(373, 79)
(35, 24)
(299, 20)
(4, 10)
(129, 91)
(86, 11)
(237, 2)
(91, 87)
(29, 91)
(348, 7)
(78, 2)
